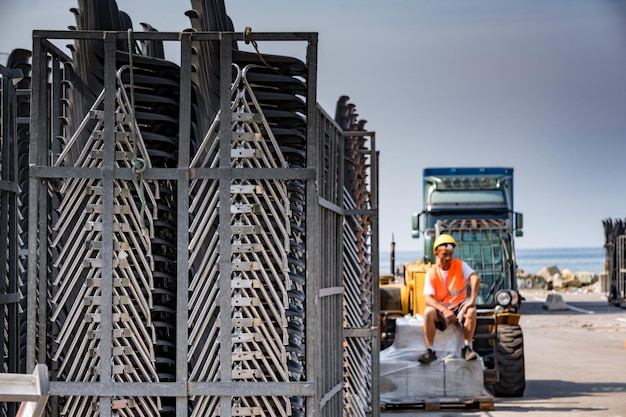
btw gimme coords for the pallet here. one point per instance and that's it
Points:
(482, 403)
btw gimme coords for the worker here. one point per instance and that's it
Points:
(446, 298)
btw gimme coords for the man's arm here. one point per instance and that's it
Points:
(475, 287)
(429, 293)
(431, 301)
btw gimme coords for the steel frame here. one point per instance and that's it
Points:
(326, 213)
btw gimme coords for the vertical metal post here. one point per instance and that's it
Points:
(335, 256)
(108, 170)
(35, 149)
(9, 224)
(6, 161)
(42, 195)
(42, 291)
(313, 240)
(224, 135)
(182, 250)
(620, 281)
(375, 280)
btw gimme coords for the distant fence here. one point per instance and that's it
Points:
(615, 247)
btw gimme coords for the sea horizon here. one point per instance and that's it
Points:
(574, 259)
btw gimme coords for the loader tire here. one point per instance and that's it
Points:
(510, 357)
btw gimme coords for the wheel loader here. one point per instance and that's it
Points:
(475, 206)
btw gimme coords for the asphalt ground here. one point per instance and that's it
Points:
(575, 362)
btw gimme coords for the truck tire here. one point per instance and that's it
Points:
(510, 357)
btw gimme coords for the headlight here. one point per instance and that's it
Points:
(514, 298)
(503, 298)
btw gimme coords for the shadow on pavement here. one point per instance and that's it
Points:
(597, 307)
(564, 389)
(550, 408)
(554, 396)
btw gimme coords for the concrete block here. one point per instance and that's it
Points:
(603, 285)
(554, 302)
(403, 380)
(410, 338)
(407, 382)
(548, 272)
(463, 378)
(586, 278)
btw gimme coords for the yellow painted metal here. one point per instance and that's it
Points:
(508, 318)
(414, 275)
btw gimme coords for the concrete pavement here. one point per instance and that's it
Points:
(575, 361)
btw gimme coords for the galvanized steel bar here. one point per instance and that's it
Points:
(182, 221)
(106, 323)
(375, 397)
(313, 240)
(36, 148)
(42, 305)
(224, 136)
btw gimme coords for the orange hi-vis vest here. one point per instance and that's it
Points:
(456, 291)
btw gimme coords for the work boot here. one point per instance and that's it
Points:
(468, 353)
(427, 356)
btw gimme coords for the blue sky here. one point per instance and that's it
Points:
(536, 85)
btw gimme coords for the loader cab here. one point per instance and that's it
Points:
(474, 205)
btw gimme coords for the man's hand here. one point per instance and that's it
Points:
(449, 316)
(470, 302)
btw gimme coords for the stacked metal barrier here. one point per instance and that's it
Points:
(198, 262)
(358, 273)
(615, 255)
(358, 261)
(259, 246)
(14, 96)
(144, 218)
(77, 287)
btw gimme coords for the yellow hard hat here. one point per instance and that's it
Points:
(444, 239)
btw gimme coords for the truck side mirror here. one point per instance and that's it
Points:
(519, 224)
(415, 225)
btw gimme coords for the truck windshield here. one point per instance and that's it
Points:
(464, 197)
(488, 254)
(486, 246)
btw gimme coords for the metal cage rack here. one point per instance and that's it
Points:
(174, 255)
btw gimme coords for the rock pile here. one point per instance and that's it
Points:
(551, 277)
